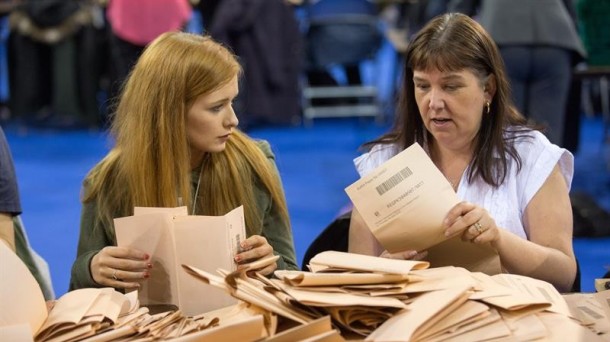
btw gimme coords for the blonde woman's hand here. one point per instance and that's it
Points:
(405, 255)
(120, 267)
(472, 222)
(255, 248)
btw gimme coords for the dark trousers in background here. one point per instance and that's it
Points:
(540, 81)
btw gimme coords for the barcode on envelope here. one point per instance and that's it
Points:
(590, 312)
(394, 180)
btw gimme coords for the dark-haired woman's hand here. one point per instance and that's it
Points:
(472, 222)
(405, 255)
(255, 248)
(120, 267)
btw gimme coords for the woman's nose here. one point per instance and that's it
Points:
(231, 119)
(436, 100)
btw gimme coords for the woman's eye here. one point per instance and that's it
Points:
(422, 86)
(216, 109)
(451, 87)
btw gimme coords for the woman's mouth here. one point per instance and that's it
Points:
(441, 121)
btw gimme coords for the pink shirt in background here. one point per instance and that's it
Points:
(141, 21)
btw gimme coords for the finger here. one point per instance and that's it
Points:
(457, 227)
(404, 255)
(470, 233)
(253, 242)
(125, 279)
(121, 258)
(420, 256)
(254, 254)
(456, 212)
(129, 276)
(125, 253)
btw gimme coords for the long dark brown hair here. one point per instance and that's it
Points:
(454, 42)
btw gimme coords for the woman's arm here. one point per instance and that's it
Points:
(361, 239)
(548, 254)
(90, 242)
(277, 230)
(99, 263)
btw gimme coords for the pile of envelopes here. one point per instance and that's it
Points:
(378, 299)
(103, 314)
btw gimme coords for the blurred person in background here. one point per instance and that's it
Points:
(540, 45)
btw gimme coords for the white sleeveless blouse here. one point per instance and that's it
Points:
(506, 204)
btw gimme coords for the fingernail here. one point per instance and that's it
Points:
(412, 254)
(447, 233)
(237, 258)
(146, 256)
(146, 275)
(149, 265)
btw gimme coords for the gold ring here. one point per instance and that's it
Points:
(114, 275)
(478, 227)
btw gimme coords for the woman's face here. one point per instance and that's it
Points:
(211, 120)
(451, 105)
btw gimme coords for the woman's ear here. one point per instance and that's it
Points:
(490, 87)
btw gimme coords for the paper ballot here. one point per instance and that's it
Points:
(404, 202)
(172, 238)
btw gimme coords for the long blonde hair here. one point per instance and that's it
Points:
(149, 165)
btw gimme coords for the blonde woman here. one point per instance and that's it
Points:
(177, 141)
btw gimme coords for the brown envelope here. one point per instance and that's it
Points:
(199, 241)
(471, 256)
(404, 201)
(526, 328)
(491, 317)
(173, 238)
(422, 313)
(562, 328)
(21, 297)
(250, 294)
(463, 314)
(302, 332)
(538, 289)
(18, 332)
(300, 278)
(248, 329)
(151, 233)
(495, 330)
(358, 262)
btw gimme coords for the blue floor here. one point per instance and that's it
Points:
(315, 164)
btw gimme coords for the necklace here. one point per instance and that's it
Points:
(453, 184)
(194, 202)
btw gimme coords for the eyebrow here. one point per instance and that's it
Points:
(222, 101)
(450, 77)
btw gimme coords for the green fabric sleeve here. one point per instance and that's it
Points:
(93, 237)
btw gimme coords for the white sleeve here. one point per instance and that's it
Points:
(379, 154)
(539, 157)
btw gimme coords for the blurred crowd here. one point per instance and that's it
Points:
(62, 62)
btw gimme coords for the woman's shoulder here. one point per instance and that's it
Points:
(376, 156)
(539, 156)
(533, 142)
(264, 146)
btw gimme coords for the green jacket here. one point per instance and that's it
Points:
(91, 241)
